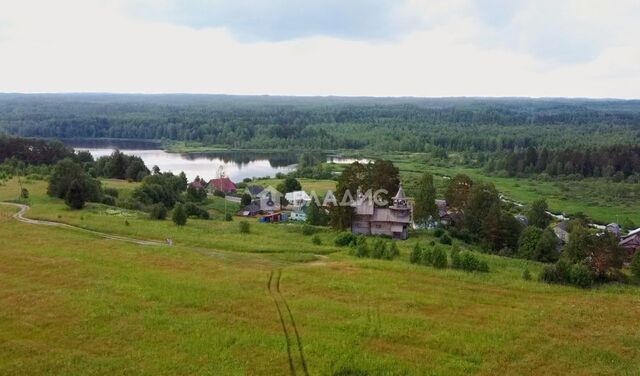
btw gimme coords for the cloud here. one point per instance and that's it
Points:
(278, 20)
(95, 45)
(568, 31)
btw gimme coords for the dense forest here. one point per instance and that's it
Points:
(387, 124)
(618, 162)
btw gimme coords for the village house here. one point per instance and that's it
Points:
(393, 221)
(297, 199)
(223, 184)
(266, 202)
(631, 242)
(254, 190)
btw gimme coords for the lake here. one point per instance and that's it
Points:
(235, 165)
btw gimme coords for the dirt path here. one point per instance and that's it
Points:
(23, 209)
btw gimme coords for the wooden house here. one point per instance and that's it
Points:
(393, 221)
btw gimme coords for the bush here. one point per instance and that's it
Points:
(416, 254)
(308, 230)
(581, 276)
(438, 232)
(244, 227)
(316, 240)
(427, 256)
(179, 215)
(158, 211)
(109, 200)
(111, 191)
(456, 260)
(393, 249)
(218, 193)
(344, 239)
(362, 249)
(445, 239)
(526, 275)
(24, 193)
(469, 262)
(439, 258)
(245, 199)
(635, 264)
(379, 249)
(558, 273)
(228, 217)
(195, 211)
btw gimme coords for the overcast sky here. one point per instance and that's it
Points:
(576, 48)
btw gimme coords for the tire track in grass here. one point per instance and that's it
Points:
(270, 287)
(295, 327)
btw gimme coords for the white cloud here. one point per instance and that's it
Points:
(95, 45)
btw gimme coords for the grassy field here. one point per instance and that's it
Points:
(74, 304)
(320, 186)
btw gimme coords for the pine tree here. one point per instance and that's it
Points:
(538, 214)
(425, 201)
(179, 215)
(76, 195)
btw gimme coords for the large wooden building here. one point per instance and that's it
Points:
(393, 221)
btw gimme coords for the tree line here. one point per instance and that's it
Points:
(387, 124)
(617, 161)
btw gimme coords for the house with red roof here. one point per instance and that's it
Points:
(223, 184)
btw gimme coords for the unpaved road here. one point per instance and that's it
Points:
(23, 209)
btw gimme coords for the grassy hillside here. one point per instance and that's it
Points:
(72, 304)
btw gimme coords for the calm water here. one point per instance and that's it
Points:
(236, 165)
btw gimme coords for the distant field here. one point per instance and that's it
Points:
(319, 186)
(74, 304)
(601, 200)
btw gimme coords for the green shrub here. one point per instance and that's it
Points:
(24, 193)
(445, 239)
(438, 232)
(526, 274)
(581, 276)
(308, 230)
(194, 210)
(109, 200)
(393, 250)
(244, 227)
(228, 217)
(558, 273)
(439, 258)
(179, 215)
(158, 211)
(219, 193)
(344, 239)
(416, 254)
(362, 249)
(456, 260)
(316, 240)
(378, 249)
(469, 262)
(635, 264)
(110, 191)
(427, 256)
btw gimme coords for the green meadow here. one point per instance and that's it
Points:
(264, 303)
